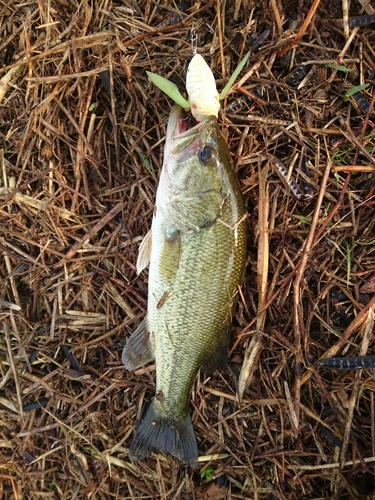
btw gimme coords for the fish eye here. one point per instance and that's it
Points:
(206, 154)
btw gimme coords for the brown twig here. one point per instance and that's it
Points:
(302, 30)
(297, 308)
(96, 227)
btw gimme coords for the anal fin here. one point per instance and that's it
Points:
(138, 350)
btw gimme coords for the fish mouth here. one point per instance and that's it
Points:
(184, 134)
(179, 123)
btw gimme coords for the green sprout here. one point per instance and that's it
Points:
(343, 156)
(356, 89)
(168, 88)
(207, 473)
(365, 243)
(231, 80)
(348, 263)
(145, 162)
(306, 222)
(338, 67)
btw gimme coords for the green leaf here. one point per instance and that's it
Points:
(231, 80)
(169, 88)
(207, 473)
(145, 161)
(305, 221)
(348, 263)
(356, 89)
(364, 242)
(338, 67)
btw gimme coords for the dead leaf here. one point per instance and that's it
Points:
(212, 492)
(369, 286)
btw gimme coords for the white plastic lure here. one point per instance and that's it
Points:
(203, 97)
(201, 89)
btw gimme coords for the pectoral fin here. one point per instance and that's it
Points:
(144, 254)
(138, 350)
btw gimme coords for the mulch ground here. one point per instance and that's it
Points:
(82, 134)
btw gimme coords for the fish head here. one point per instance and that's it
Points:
(190, 190)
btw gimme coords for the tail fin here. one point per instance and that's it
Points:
(159, 433)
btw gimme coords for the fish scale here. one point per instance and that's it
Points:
(196, 250)
(192, 291)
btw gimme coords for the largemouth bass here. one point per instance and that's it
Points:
(196, 249)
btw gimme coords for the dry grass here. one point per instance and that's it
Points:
(82, 134)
